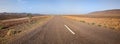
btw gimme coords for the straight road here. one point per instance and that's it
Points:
(60, 30)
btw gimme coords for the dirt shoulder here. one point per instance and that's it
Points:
(20, 28)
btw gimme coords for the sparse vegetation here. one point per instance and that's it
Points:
(109, 22)
(30, 17)
(82, 21)
(1, 27)
(13, 32)
(16, 26)
(99, 25)
(93, 23)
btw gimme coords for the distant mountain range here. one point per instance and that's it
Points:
(113, 12)
(106, 13)
(4, 16)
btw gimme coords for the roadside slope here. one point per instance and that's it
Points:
(21, 29)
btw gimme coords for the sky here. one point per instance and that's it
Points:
(57, 6)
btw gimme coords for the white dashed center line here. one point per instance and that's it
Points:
(69, 29)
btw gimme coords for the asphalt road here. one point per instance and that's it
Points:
(59, 30)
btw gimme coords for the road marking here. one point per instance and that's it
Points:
(69, 29)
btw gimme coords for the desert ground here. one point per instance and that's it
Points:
(101, 27)
(106, 22)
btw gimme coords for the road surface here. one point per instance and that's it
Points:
(59, 30)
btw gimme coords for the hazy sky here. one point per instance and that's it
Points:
(57, 6)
